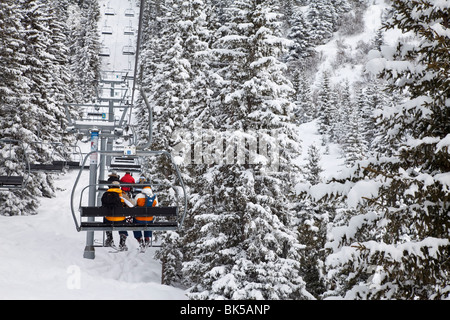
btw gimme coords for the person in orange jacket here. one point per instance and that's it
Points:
(113, 197)
(145, 199)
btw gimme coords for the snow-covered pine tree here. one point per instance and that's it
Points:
(304, 108)
(400, 231)
(167, 88)
(325, 108)
(244, 248)
(313, 169)
(84, 51)
(14, 99)
(354, 144)
(320, 20)
(32, 112)
(340, 120)
(191, 26)
(11, 61)
(300, 33)
(312, 220)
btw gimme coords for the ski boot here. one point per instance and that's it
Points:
(122, 245)
(109, 242)
(141, 243)
(147, 242)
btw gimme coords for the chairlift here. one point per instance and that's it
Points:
(109, 11)
(128, 30)
(104, 51)
(56, 162)
(129, 12)
(128, 50)
(107, 29)
(14, 153)
(167, 218)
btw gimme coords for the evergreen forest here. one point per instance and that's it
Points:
(231, 82)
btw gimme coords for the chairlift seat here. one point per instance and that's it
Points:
(125, 166)
(104, 52)
(128, 31)
(124, 160)
(11, 181)
(95, 114)
(49, 167)
(67, 164)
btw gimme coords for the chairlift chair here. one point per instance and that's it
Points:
(107, 29)
(110, 11)
(11, 180)
(128, 30)
(128, 50)
(167, 218)
(104, 51)
(56, 162)
(129, 12)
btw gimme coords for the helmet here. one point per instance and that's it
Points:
(148, 191)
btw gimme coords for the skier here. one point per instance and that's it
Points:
(127, 178)
(113, 198)
(142, 180)
(113, 176)
(144, 199)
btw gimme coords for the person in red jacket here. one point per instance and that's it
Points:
(127, 178)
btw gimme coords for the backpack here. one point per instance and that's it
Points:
(149, 200)
(111, 200)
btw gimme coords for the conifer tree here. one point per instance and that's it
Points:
(401, 228)
(84, 51)
(325, 108)
(313, 168)
(194, 49)
(243, 240)
(304, 107)
(35, 91)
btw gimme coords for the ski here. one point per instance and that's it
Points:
(117, 249)
(142, 248)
